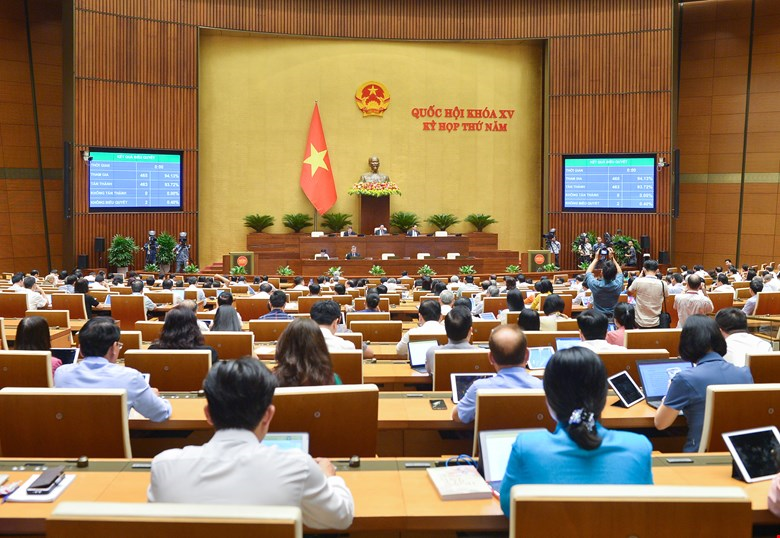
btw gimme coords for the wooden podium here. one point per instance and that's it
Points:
(537, 259)
(374, 210)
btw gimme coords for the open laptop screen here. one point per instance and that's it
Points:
(566, 343)
(656, 374)
(286, 441)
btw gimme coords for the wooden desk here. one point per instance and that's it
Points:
(382, 352)
(60, 336)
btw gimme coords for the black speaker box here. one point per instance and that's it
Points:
(82, 261)
(644, 242)
(100, 244)
(663, 257)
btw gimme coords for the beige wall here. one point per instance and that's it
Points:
(256, 98)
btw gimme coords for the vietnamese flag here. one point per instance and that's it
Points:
(316, 174)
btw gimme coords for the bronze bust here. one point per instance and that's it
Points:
(374, 176)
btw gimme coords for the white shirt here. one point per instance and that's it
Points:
(675, 289)
(740, 344)
(200, 294)
(429, 327)
(336, 343)
(598, 346)
(724, 288)
(35, 301)
(772, 285)
(691, 303)
(234, 468)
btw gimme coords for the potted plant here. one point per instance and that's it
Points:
(467, 270)
(296, 221)
(376, 270)
(165, 245)
(335, 222)
(550, 267)
(480, 221)
(237, 270)
(258, 222)
(121, 252)
(152, 268)
(512, 269)
(584, 266)
(426, 270)
(442, 221)
(404, 220)
(284, 270)
(334, 271)
(191, 268)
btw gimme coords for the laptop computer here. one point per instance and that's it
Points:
(539, 356)
(107, 302)
(68, 355)
(495, 446)
(287, 441)
(655, 376)
(417, 352)
(566, 343)
(178, 295)
(462, 382)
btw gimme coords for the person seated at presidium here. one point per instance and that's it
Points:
(581, 450)
(349, 231)
(701, 343)
(276, 306)
(302, 357)
(100, 345)
(32, 334)
(380, 230)
(180, 331)
(234, 467)
(353, 254)
(509, 356)
(413, 232)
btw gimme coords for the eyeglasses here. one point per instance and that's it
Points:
(120, 345)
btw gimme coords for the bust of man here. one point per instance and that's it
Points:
(374, 176)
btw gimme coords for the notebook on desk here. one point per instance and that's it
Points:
(286, 440)
(417, 352)
(656, 374)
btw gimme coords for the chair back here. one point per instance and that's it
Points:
(171, 370)
(122, 290)
(160, 297)
(743, 292)
(293, 295)
(305, 303)
(669, 307)
(348, 365)
(612, 510)
(50, 423)
(731, 408)
(130, 340)
(72, 302)
(481, 329)
(768, 303)
(99, 295)
(249, 308)
(721, 301)
(417, 294)
(268, 330)
(566, 325)
(150, 330)
(55, 318)
(617, 361)
(25, 369)
(231, 344)
(441, 339)
(668, 339)
(13, 305)
(567, 303)
(367, 316)
(130, 520)
(341, 419)
(355, 338)
(342, 300)
(378, 331)
(458, 361)
(393, 298)
(127, 309)
(508, 409)
(547, 338)
(384, 304)
(765, 367)
(494, 304)
(3, 339)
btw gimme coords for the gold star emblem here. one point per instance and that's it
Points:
(372, 90)
(316, 159)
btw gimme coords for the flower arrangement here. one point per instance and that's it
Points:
(284, 270)
(334, 271)
(426, 270)
(512, 268)
(376, 270)
(374, 189)
(467, 270)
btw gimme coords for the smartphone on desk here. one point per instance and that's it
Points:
(47, 481)
(438, 405)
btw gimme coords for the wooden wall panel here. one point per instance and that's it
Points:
(610, 79)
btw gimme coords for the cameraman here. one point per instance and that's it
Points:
(630, 255)
(553, 245)
(585, 249)
(605, 290)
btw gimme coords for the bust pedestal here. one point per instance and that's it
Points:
(374, 210)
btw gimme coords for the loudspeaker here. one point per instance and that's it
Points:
(644, 242)
(663, 257)
(83, 261)
(100, 244)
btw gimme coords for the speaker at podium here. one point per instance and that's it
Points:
(537, 259)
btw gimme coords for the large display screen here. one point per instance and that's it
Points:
(609, 183)
(130, 180)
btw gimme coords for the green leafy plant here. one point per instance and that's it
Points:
(550, 267)
(467, 270)
(165, 245)
(335, 222)
(296, 221)
(584, 266)
(426, 270)
(404, 220)
(191, 268)
(258, 222)
(619, 245)
(333, 271)
(152, 268)
(284, 270)
(512, 269)
(122, 250)
(442, 221)
(237, 270)
(376, 270)
(480, 221)
(575, 245)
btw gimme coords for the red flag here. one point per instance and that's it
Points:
(316, 174)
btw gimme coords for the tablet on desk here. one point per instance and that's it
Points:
(755, 452)
(626, 388)
(488, 315)
(68, 355)
(286, 441)
(566, 343)
(462, 382)
(417, 353)
(538, 357)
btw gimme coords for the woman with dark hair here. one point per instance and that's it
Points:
(32, 334)
(553, 308)
(181, 331)
(82, 286)
(701, 343)
(581, 450)
(624, 320)
(542, 287)
(302, 357)
(528, 320)
(226, 319)
(514, 303)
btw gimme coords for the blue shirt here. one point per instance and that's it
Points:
(688, 391)
(541, 457)
(98, 373)
(605, 294)
(507, 378)
(276, 313)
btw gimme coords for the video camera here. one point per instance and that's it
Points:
(183, 237)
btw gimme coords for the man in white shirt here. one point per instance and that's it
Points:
(722, 285)
(676, 287)
(36, 297)
(771, 283)
(593, 327)
(756, 287)
(428, 321)
(454, 284)
(693, 301)
(649, 293)
(199, 293)
(446, 299)
(299, 285)
(234, 467)
(137, 287)
(739, 343)
(327, 314)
